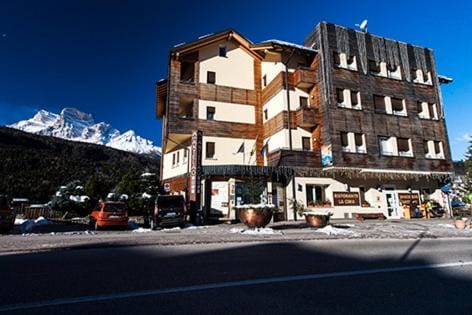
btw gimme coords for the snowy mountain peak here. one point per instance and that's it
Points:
(72, 124)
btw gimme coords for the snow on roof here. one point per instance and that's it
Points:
(206, 35)
(289, 44)
(179, 44)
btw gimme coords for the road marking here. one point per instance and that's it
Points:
(221, 285)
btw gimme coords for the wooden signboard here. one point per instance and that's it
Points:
(406, 198)
(343, 198)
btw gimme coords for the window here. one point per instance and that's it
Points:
(222, 51)
(306, 143)
(315, 195)
(420, 76)
(210, 113)
(341, 60)
(423, 111)
(379, 104)
(374, 67)
(173, 159)
(264, 80)
(345, 142)
(433, 149)
(185, 155)
(210, 150)
(398, 107)
(303, 101)
(177, 157)
(404, 147)
(393, 72)
(211, 77)
(266, 114)
(353, 142)
(186, 107)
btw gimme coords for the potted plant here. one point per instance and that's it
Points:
(254, 212)
(314, 217)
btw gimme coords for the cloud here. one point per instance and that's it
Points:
(466, 137)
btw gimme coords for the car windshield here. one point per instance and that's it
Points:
(114, 207)
(170, 202)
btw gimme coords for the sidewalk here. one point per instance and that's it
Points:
(233, 233)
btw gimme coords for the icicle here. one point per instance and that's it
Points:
(392, 52)
(361, 48)
(405, 62)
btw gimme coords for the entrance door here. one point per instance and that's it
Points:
(392, 203)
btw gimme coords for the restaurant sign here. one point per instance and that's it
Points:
(196, 166)
(343, 198)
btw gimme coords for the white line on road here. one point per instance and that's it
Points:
(220, 285)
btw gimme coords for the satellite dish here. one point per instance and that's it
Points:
(363, 26)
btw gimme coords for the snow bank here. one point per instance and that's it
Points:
(330, 230)
(133, 225)
(448, 226)
(256, 231)
(142, 230)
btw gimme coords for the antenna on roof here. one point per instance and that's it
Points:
(363, 26)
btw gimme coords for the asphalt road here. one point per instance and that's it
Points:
(311, 277)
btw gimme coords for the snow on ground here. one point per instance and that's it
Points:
(28, 225)
(256, 231)
(449, 226)
(133, 225)
(20, 221)
(330, 230)
(142, 230)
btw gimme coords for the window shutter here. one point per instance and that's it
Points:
(354, 100)
(374, 66)
(344, 140)
(403, 145)
(426, 147)
(379, 103)
(397, 104)
(340, 95)
(358, 138)
(437, 149)
(210, 149)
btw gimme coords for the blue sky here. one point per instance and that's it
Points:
(104, 57)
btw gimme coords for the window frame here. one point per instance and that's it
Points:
(210, 148)
(211, 77)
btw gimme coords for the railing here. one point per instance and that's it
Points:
(285, 157)
(304, 78)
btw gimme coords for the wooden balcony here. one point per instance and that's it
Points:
(304, 78)
(285, 157)
(305, 117)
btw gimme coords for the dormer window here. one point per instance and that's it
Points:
(393, 72)
(341, 60)
(422, 77)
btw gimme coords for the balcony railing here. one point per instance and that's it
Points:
(304, 78)
(305, 117)
(285, 157)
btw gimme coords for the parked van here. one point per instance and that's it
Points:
(109, 214)
(7, 216)
(169, 211)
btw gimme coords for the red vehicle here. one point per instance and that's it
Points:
(109, 214)
(7, 216)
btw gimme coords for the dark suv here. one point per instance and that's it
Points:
(169, 211)
(7, 217)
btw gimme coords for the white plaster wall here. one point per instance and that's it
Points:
(230, 112)
(225, 151)
(169, 170)
(271, 70)
(234, 70)
(278, 102)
